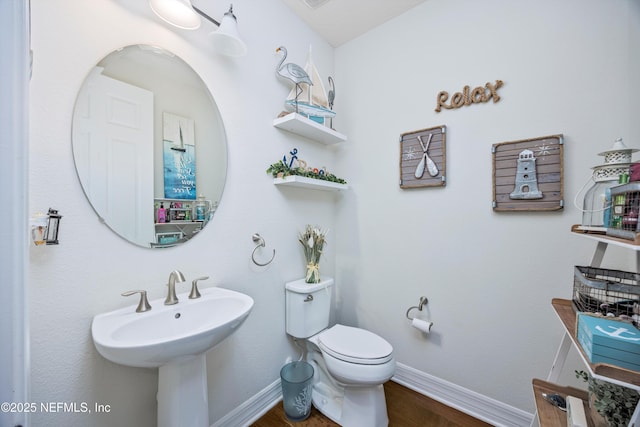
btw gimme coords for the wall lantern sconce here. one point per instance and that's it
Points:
(183, 14)
(45, 227)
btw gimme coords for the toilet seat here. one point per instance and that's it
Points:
(355, 345)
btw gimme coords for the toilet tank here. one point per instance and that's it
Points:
(307, 307)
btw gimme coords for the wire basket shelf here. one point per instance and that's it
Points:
(608, 292)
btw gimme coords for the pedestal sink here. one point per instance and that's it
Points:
(173, 338)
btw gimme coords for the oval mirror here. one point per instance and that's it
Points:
(149, 146)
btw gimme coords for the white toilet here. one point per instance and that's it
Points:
(350, 364)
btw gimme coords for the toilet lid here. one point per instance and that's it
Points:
(355, 345)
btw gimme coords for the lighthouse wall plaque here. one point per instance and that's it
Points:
(528, 175)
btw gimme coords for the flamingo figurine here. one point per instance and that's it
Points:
(331, 97)
(292, 72)
(332, 93)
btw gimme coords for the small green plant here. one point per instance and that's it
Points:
(281, 170)
(614, 402)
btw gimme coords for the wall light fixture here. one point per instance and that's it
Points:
(183, 14)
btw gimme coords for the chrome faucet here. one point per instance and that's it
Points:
(143, 305)
(175, 276)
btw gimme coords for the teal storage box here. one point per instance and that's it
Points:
(609, 341)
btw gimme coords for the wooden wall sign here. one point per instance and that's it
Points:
(528, 175)
(422, 158)
(478, 95)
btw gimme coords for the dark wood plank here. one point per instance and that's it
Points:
(406, 408)
(276, 418)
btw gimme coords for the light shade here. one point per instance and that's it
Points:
(226, 39)
(179, 13)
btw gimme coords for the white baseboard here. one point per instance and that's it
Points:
(475, 404)
(251, 410)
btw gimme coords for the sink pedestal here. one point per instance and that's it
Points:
(182, 393)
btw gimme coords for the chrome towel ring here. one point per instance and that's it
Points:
(260, 244)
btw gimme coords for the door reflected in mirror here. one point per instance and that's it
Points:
(149, 146)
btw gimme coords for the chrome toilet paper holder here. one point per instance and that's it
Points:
(420, 306)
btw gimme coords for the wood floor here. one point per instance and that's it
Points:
(406, 408)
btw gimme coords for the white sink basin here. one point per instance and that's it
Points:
(169, 333)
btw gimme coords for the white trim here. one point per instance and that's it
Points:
(475, 404)
(14, 166)
(251, 410)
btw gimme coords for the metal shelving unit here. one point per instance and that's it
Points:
(548, 415)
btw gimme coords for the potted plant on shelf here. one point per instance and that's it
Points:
(281, 170)
(610, 404)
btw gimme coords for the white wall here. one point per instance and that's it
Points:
(568, 67)
(86, 273)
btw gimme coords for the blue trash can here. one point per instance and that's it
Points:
(297, 383)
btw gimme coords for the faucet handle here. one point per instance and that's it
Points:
(143, 305)
(194, 287)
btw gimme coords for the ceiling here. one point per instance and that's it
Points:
(339, 21)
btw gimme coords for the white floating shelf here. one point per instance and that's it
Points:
(300, 125)
(304, 182)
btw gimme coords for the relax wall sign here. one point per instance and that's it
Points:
(480, 94)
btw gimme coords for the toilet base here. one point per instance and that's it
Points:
(355, 407)
(348, 406)
(354, 396)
